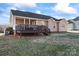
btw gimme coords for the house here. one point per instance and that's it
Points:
(21, 17)
(71, 25)
(61, 25)
(76, 23)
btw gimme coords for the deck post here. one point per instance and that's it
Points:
(29, 21)
(24, 21)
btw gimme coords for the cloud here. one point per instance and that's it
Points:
(66, 1)
(38, 12)
(64, 7)
(21, 6)
(30, 4)
(38, 1)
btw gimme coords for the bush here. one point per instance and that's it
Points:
(9, 30)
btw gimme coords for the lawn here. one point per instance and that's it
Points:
(56, 44)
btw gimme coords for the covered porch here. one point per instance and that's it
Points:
(30, 21)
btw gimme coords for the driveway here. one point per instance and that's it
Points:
(73, 31)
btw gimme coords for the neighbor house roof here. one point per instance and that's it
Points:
(30, 14)
(70, 21)
(76, 19)
(58, 19)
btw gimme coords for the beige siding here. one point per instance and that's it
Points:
(40, 23)
(32, 22)
(63, 26)
(60, 27)
(27, 21)
(52, 25)
(45, 23)
(19, 21)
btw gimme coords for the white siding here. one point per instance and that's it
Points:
(76, 24)
(70, 27)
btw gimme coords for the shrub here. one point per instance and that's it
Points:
(10, 30)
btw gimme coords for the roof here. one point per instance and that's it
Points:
(30, 14)
(70, 21)
(76, 19)
(57, 19)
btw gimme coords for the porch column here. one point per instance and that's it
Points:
(24, 21)
(14, 25)
(14, 22)
(29, 21)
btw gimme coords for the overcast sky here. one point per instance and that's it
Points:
(56, 10)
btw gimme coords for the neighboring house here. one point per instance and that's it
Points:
(21, 17)
(71, 25)
(75, 23)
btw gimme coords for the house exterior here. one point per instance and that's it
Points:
(28, 18)
(57, 25)
(76, 25)
(73, 24)
(70, 25)
(62, 25)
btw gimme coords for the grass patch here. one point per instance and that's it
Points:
(40, 46)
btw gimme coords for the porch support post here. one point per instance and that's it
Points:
(14, 26)
(29, 21)
(24, 21)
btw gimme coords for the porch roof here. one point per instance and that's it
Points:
(29, 14)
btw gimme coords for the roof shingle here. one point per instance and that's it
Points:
(30, 14)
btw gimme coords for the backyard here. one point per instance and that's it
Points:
(56, 44)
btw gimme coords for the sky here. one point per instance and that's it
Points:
(56, 10)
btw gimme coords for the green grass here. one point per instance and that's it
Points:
(65, 44)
